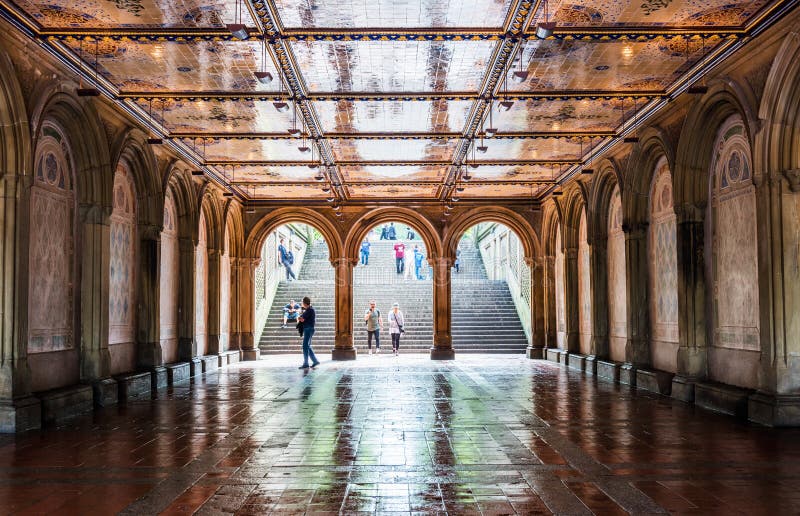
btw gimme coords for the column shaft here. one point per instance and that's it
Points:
(343, 348)
(442, 317)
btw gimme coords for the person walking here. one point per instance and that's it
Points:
(306, 328)
(458, 260)
(374, 323)
(391, 233)
(399, 256)
(365, 252)
(418, 257)
(287, 259)
(396, 324)
(383, 233)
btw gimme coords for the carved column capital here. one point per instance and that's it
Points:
(793, 177)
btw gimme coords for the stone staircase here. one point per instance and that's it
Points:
(484, 317)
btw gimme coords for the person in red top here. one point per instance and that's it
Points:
(399, 257)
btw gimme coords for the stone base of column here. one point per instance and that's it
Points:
(159, 378)
(443, 354)
(195, 366)
(20, 415)
(627, 374)
(534, 353)
(683, 388)
(774, 410)
(248, 355)
(343, 354)
(105, 392)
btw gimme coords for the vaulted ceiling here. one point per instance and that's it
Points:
(393, 99)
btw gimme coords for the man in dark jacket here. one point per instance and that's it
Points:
(286, 259)
(308, 320)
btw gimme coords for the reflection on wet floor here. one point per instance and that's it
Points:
(480, 435)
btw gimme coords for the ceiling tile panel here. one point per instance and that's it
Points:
(393, 149)
(658, 13)
(392, 173)
(608, 64)
(287, 191)
(393, 66)
(531, 149)
(239, 116)
(163, 66)
(133, 13)
(513, 173)
(346, 116)
(516, 190)
(265, 174)
(251, 150)
(392, 13)
(391, 191)
(534, 115)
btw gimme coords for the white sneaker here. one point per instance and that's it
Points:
(378, 350)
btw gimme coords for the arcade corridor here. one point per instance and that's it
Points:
(481, 435)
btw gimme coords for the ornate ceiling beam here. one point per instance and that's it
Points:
(382, 163)
(396, 136)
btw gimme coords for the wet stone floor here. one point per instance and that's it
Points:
(480, 435)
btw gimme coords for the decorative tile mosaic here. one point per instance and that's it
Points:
(390, 116)
(393, 191)
(392, 14)
(394, 149)
(392, 173)
(517, 190)
(393, 66)
(564, 115)
(134, 13)
(235, 116)
(289, 191)
(252, 150)
(258, 174)
(531, 149)
(514, 172)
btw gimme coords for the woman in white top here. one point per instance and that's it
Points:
(396, 323)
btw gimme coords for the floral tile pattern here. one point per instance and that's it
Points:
(391, 191)
(392, 173)
(397, 149)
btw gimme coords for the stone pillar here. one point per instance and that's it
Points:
(549, 297)
(692, 351)
(777, 402)
(343, 348)
(598, 279)
(571, 302)
(148, 307)
(187, 344)
(19, 410)
(442, 317)
(637, 348)
(537, 342)
(215, 345)
(94, 254)
(245, 298)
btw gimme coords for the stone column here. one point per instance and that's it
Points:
(537, 341)
(94, 254)
(19, 410)
(549, 295)
(692, 351)
(215, 345)
(598, 279)
(571, 303)
(343, 348)
(637, 348)
(442, 317)
(777, 402)
(245, 299)
(188, 350)
(148, 307)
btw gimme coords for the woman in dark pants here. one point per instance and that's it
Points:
(396, 323)
(307, 320)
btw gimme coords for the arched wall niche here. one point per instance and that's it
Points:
(584, 286)
(271, 221)
(617, 279)
(369, 220)
(513, 220)
(15, 140)
(170, 280)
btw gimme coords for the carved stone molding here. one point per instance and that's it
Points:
(793, 176)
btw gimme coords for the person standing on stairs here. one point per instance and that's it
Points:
(306, 326)
(458, 260)
(365, 252)
(290, 312)
(418, 257)
(287, 259)
(396, 323)
(374, 322)
(391, 233)
(399, 256)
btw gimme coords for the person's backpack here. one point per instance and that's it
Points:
(290, 258)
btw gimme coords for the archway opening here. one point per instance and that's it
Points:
(295, 263)
(490, 292)
(393, 269)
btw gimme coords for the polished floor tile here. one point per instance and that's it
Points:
(480, 435)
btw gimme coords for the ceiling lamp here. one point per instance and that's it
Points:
(237, 29)
(482, 148)
(326, 189)
(697, 89)
(520, 75)
(263, 76)
(545, 29)
(466, 177)
(294, 130)
(227, 194)
(505, 104)
(331, 199)
(459, 189)
(155, 140)
(320, 176)
(280, 106)
(491, 130)
(89, 91)
(197, 172)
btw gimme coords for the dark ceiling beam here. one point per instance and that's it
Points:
(379, 163)
(511, 135)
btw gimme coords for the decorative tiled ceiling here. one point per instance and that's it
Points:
(391, 99)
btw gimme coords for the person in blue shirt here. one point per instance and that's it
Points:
(418, 258)
(391, 233)
(365, 252)
(286, 258)
(458, 260)
(290, 312)
(307, 320)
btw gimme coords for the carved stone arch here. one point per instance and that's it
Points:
(694, 152)
(131, 150)
(269, 222)
(571, 209)
(653, 147)
(551, 220)
(378, 216)
(232, 215)
(81, 125)
(513, 220)
(178, 182)
(15, 142)
(777, 146)
(212, 210)
(604, 183)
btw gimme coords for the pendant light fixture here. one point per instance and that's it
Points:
(545, 29)
(633, 138)
(263, 76)
(237, 29)
(520, 75)
(280, 105)
(465, 177)
(588, 171)
(491, 130)
(697, 89)
(154, 140)
(303, 147)
(89, 91)
(294, 131)
(229, 193)
(506, 103)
